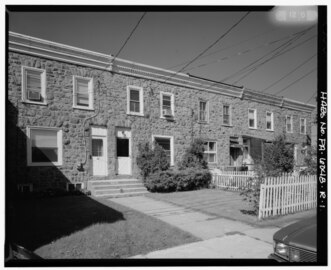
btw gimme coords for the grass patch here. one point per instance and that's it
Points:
(224, 204)
(79, 227)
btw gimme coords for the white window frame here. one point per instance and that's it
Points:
(43, 85)
(291, 119)
(59, 144)
(141, 100)
(172, 153)
(255, 119)
(207, 111)
(211, 152)
(272, 121)
(230, 111)
(90, 92)
(305, 125)
(172, 103)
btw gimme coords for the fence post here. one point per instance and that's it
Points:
(262, 198)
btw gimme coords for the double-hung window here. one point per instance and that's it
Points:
(210, 152)
(289, 124)
(34, 85)
(135, 103)
(83, 93)
(203, 111)
(167, 105)
(166, 142)
(302, 125)
(226, 115)
(44, 146)
(270, 121)
(252, 118)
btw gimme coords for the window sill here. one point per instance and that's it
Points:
(226, 125)
(35, 103)
(170, 118)
(48, 164)
(252, 128)
(135, 114)
(203, 122)
(83, 108)
(270, 130)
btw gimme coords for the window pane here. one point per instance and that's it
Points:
(33, 80)
(226, 110)
(212, 146)
(251, 114)
(97, 147)
(82, 100)
(251, 123)
(134, 95)
(211, 158)
(163, 142)
(44, 145)
(82, 86)
(268, 125)
(122, 147)
(226, 119)
(134, 106)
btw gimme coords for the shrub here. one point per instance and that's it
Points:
(182, 180)
(278, 157)
(311, 162)
(193, 157)
(151, 160)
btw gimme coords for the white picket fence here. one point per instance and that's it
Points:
(287, 194)
(232, 180)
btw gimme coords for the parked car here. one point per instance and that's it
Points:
(16, 252)
(296, 242)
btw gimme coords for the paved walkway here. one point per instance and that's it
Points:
(221, 238)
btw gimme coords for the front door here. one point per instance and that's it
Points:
(99, 151)
(123, 146)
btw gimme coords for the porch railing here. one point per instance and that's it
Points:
(232, 180)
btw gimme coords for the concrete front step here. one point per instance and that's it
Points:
(120, 195)
(116, 188)
(111, 191)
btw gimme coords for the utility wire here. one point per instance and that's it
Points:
(266, 44)
(228, 47)
(281, 52)
(286, 44)
(314, 95)
(209, 47)
(286, 75)
(296, 81)
(127, 39)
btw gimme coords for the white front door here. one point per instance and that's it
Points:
(99, 151)
(123, 146)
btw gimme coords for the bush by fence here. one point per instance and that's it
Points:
(182, 180)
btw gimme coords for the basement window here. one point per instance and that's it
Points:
(34, 85)
(83, 93)
(44, 146)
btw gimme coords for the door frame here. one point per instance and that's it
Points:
(100, 133)
(124, 133)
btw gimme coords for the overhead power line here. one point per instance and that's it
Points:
(128, 38)
(302, 77)
(274, 52)
(288, 74)
(277, 54)
(314, 95)
(265, 44)
(209, 47)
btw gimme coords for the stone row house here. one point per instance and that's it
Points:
(75, 116)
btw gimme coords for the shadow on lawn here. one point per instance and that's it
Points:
(33, 222)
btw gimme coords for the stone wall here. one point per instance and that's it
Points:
(110, 102)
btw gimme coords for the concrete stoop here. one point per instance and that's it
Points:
(117, 188)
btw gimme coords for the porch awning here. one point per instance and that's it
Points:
(237, 145)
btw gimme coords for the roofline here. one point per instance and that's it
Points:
(57, 51)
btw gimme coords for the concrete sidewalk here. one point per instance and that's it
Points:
(222, 238)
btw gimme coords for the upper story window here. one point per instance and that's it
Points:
(210, 152)
(135, 104)
(270, 121)
(289, 124)
(44, 146)
(83, 93)
(252, 123)
(226, 115)
(167, 105)
(34, 85)
(303, 128)
(203, 111)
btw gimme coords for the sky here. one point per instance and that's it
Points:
(171, 39)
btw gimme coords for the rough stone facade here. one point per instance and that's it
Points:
(110, 105)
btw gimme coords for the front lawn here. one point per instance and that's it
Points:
(224, 204)
(77, 227)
